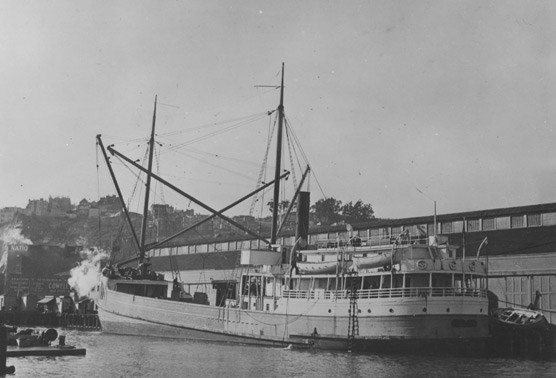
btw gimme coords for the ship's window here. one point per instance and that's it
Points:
(458, 281)
(517, 221)
(430, 229)
(355, 281)
(417, 280)
(489, 224)
(385, 282)
(332, 284)
(294, 284)
(474, 225)
(320, 283)
(398, 281)
(470, 282)
(502, 223)
(305, 284)
(533, 220)
(441, 280)
(372, 282)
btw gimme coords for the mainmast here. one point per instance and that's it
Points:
(148, 189)
(274, 228)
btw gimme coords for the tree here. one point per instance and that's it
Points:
(282, 206)
(357, 212)
(327, 210)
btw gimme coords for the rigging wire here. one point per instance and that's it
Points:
(289, 130)
(242, 122)
(212, 124)
(304, 156)
(220, 156)
(294, 177)
(263, 170)
(215, 165)
(207, 136)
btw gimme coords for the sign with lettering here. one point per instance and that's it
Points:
(18, 247)
(55, 286)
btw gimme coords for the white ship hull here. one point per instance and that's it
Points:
(321, 323)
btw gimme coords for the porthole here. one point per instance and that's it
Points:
(369, 311)
(329, 311)
(391, 310)
(448, 309)
(424, 309)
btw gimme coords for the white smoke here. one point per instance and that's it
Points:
(87, 274)
(10, 235)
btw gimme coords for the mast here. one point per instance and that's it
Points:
(148, 189)
(274, 228)
(120, 196)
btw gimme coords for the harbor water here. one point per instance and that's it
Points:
(134, 356)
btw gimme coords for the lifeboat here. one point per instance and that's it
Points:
(520, 318)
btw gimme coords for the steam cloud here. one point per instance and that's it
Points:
(10, 235)
(87, 274)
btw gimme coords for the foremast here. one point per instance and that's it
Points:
(274, 229)
(142, 249)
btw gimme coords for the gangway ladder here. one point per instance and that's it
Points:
(353, 324)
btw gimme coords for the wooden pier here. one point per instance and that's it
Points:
(89, 322)
(14, 351)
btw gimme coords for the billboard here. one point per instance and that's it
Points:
(41, 287)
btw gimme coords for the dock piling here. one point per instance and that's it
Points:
(4, 352)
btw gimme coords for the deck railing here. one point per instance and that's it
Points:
(387, 293)
(370, 241)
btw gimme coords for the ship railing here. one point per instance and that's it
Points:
(387, 293)
(371, 241)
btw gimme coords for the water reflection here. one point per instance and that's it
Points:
(125, 356)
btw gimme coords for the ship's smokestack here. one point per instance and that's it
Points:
(302, 230)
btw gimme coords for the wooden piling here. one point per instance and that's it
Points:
(4, 352)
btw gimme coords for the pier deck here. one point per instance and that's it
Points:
(14, 351)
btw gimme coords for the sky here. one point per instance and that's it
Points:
(454, 98)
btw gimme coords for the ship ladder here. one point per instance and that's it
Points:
(353, 324)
